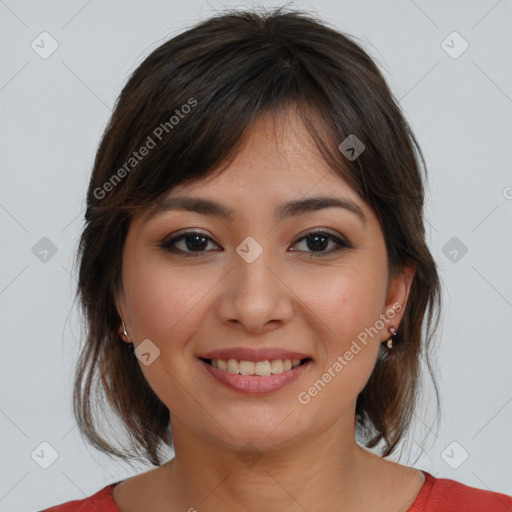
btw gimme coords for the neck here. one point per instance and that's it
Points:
(320, 468)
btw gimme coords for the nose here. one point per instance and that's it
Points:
(254, 296)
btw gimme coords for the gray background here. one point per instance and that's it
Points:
(53, 111)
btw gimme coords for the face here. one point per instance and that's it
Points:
(310, 281)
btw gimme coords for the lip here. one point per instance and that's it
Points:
(254, 384)
(254, 354)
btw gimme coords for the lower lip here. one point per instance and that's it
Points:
(253, 384)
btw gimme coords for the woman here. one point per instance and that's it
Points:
(255, 279)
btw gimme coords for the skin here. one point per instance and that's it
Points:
(309, 459)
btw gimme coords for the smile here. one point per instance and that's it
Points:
(260, 368)
(228, 373)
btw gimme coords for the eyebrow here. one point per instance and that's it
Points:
(284, 211)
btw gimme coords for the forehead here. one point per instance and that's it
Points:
(275, 166)
(275, 155)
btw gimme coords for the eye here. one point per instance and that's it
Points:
(318, 240)
(194, 243)
(191, 242)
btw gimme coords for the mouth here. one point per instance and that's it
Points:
(263, 368)
(258, 377)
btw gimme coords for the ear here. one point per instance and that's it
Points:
(121, 308)
(399, 286)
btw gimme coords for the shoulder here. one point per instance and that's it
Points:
(102, 500)
(444, 494)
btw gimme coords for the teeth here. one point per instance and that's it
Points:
(261, 368)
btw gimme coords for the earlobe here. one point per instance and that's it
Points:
(123, 334)
(398, 294)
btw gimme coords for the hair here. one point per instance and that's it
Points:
(189, 103)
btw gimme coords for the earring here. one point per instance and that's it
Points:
(130, 342)
(392, 330)
(124, 330)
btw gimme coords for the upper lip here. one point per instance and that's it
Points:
(254, 354)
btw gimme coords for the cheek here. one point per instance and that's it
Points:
(162, 300)
(164, 304)
(344, 304)
(344, 300)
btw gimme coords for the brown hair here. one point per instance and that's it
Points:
(189, 103)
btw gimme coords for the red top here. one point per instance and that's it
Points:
(436, 495)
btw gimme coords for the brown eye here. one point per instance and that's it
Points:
(318, 241)
(194, 243)
(191, 242)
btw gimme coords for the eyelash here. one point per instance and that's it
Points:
(168, 245)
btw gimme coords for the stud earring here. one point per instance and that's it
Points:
(392, 330)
